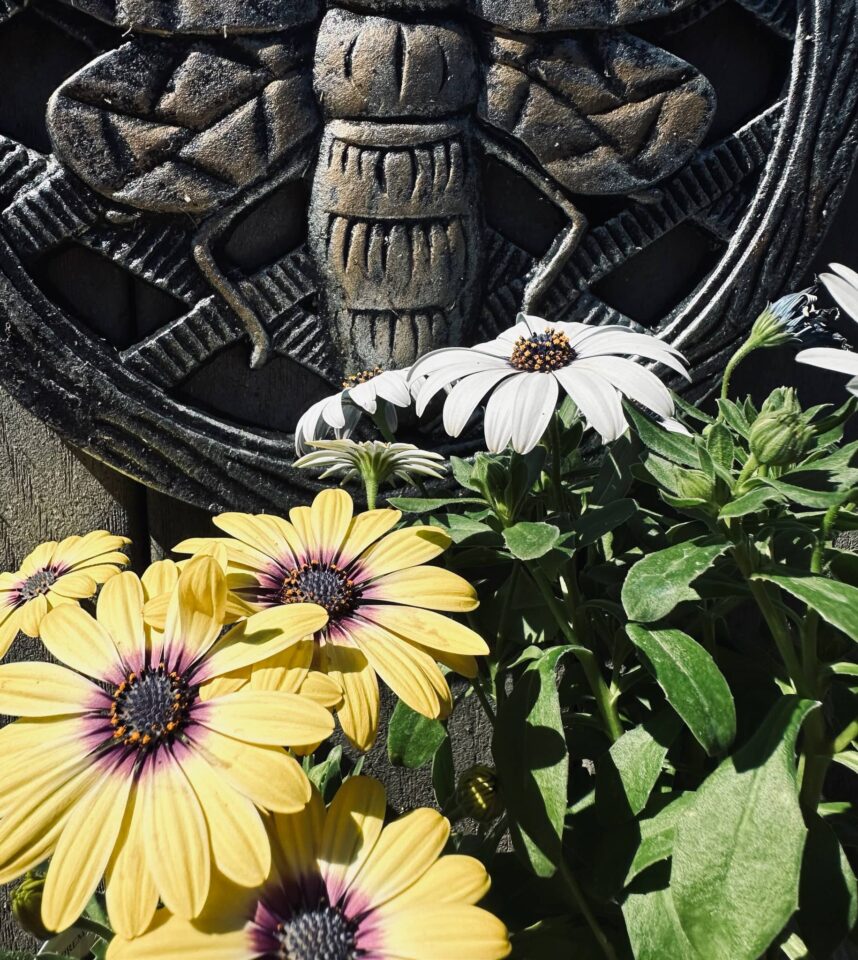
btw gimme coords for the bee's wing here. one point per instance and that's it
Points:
(179, 126)
(602, 113)
(201, 16)
(535, 16)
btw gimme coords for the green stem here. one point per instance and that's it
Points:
(92, 926)
(845, 737)
(587, 659)
(735, 360)
(557, 465)
(747, 471)
(370, 483)
(580, 901)
(488, 709)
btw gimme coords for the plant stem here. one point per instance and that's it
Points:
(578, 898)
(734, 362)
(557, 465)
(845, 737)
(587, 659)
(370, 483)
(488, 709)
(92, 926)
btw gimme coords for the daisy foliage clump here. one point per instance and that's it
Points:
(617, 633)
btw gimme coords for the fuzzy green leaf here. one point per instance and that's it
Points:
(597, 521)
(673, 446)
(692, 683)
(412, 739)
(835, 602)
(421, 505)
(656, 835)
(750, 502)
(652, 923)
(738, 848)
(529, 541)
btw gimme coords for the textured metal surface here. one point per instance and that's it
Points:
(398, 116)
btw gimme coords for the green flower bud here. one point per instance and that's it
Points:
(27, 906)
(695, 485)
(478, 794)
(779, 438)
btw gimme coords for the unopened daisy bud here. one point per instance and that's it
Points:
(478, 794)
(780, 437)
(783, 321)
(27, 906)
(695, 485)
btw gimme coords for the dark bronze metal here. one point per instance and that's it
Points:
(200, 111)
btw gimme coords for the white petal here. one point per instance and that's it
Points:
(392, 386)
(597, 400)
(364, 395)
(830, 358)
(635, 344)
(307, 428)
(844, 292)
(536, 402)
(633, 381)
(453, 372)
(852, 386)
(849, 275)
(332, 412)
(439, 359)
(500, 412)
(467, 395)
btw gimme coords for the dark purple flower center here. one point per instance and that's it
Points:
(319, 934)
(38, 584)
(150, 708)
(324, 584)
(542, 352)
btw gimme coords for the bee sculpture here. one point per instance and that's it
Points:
(393, 104)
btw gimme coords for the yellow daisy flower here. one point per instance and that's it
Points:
(381, 597)
(119, 767)
(343, 886)
(56, 573)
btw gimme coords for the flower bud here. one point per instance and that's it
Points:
(27, 906)
(478, 794)
(780, 437)
(695, 485)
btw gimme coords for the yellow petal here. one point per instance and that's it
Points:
(95, 546)
(409, 672)
(132, 897)
(272, 536)
(365, 529)
(269, 717)
(227, 683)
(403, 549)
(240, 554)
(8, 631)
(30, 689)
(427, 628)
(177, 845)
(84, 850)
(330, 516)
(406, 849)
(195, 616)
(266, 775)
(170, 937)
(120, 612)
(444, 932)
(301, 518)
(358, 715)
(352, 826)
(155, 611)
(432, 587)
(38, 559)
(463, 664)
(75, 586)
(239, 841)
(263, 635)
(73, 637)
(299, 837)
(323, 690)
(452, 879)
(159, 578)
(285, 671)
(32, 614)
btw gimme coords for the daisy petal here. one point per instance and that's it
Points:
(843, 288)
(120, 612)
(75, 586)
(159, 578)
(609, 342)
(452, 879)
(432, 587)
(331, 514)
(366, 528)
(444, 932)
(132, 897)
(353, 824)
(32, 614)
(196, 613)
(286, 671)
(84, 850)
(177, 848)
(323, 690)
(830, 358)
(8, 630)
(500, 412)
(39, 558)
(172, 937)
(634, 381)
(261, 535)
(30, 689)
(427, 628)
(240, 844)
(300, 838)
(597, 400)
(269, 718)
(402, 549)
(358, 714)
(537, 400)
(467, 395)
(73, 637)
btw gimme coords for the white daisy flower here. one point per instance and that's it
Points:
(384, 461)
(842, 284)
(361, 393)
(524, 369)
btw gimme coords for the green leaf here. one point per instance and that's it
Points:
(692, 683)
(815, 499)
(412, 739)
(529, 749)
(656, 835)
(628, 772)
(828, 897)
(597, 521)
(734, 417)
(674, 446)
(459, 528)
(529, 541)
(738, 848)
(652, 923)
(833, 601)
(749, 503)
(719, 443)
(848, 759)
(615, 474)
(328, 775)
(658, 582)
(421, 505)
(444, 774)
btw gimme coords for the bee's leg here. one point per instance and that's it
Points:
(546, 270)
(216, 226)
